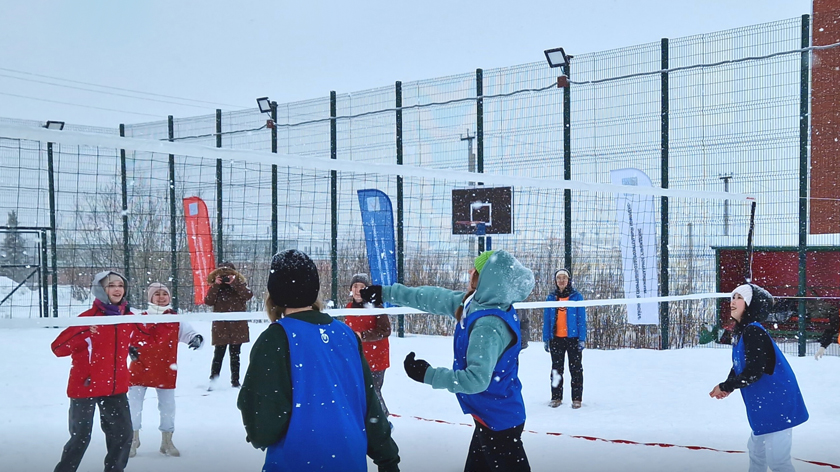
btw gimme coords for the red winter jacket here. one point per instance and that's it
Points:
(157, 362)
(373, 331)
(100, 360)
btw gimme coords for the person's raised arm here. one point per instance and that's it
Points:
(435, 300)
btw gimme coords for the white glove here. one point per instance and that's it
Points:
(820, 353)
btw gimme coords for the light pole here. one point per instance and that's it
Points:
(270, 107)
(557, 57)
(58, 126)
(470, 167)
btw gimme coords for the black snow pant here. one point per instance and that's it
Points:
(219, 356)
(115, 420)
(378, 380)
(525, 329)
(498, 451)
(559, 347)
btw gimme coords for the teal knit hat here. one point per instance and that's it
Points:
(481, 260)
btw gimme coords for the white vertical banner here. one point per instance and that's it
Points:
(637, 223)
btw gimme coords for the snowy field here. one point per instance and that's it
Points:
(637, 395)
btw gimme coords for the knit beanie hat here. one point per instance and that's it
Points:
(293, 280)
(481, 260)
(563, 271)
(566, 291)
(745, 291)
(759, 302)
(360, 278)
(154, 287)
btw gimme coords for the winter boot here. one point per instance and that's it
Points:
(135, 443)
(576, 404)
(555, 403)
(166, 446)
(212, 385)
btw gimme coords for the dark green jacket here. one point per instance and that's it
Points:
(266, 396)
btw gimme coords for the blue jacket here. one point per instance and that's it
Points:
(575, 318)
(774, 402)
(502, 282)
(500, 405)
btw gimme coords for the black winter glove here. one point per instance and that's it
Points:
(196, 342)
(372, 294)
(415, 368)
(133, 353)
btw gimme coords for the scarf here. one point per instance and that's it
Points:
(110, 309)
(159, 310)
(565, 293)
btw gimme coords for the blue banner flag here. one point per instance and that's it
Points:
(378, 222)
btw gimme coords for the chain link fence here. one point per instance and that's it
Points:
(709, 113)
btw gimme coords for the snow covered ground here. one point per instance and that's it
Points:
(637, 395)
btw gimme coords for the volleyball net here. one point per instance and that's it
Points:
(161, 211)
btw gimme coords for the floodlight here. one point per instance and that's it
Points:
(265, 104)
(56, 125)
(556, 57)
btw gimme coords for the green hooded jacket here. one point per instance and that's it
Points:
(502, 282)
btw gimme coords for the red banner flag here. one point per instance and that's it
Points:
(200, 241)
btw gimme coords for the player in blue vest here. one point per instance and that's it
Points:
(308, 395)
(768, 386)
(486, 343)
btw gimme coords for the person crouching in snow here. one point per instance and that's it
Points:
(308, 395)
(154, 363)
(767, 383)
(99, 375)
(487, 344)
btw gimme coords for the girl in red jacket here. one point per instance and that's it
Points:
(99, 375)
(155, 364)
(374, 332)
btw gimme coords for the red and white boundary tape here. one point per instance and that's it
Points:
(620, 441)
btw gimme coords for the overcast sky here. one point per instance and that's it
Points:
(223, 54)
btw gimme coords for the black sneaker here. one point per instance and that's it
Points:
(235, 384)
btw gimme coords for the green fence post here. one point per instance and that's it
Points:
(804, 91)
(400, 227)
(479, 133)
(274, 199)
(220, 241)
(126, 241)
(664, 274)
(333, 200)
(567, 167)
(53, 244)
(173, 218)
(45, 299)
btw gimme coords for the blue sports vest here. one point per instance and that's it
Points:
(774, 402)
(327, 424)
(500, 407)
